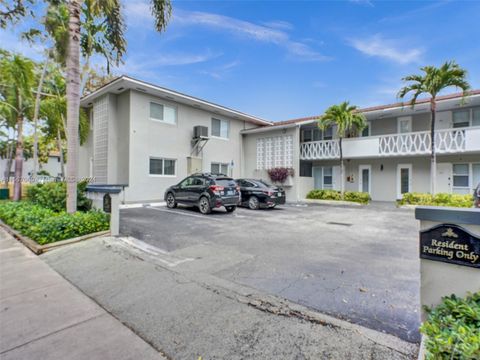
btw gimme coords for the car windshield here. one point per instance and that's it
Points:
(225, 182)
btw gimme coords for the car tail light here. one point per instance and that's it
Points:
(216, 189)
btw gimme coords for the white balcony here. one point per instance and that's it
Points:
(447, 141)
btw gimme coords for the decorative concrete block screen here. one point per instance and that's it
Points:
(275, 151)
(100, 146)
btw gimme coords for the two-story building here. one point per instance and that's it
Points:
(147, 137)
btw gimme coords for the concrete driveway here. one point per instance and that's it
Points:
(358, 264)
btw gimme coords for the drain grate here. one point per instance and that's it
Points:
(339, 223)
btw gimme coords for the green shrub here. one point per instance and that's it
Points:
(53, 195)
(359, 197)
(441, 199)
(45, 225)
(453, 329)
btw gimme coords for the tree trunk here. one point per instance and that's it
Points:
(73, 101)
(433, 168)
(35, 119)
(342, 180)
(17, 181)
(8, 167)
(60, 148)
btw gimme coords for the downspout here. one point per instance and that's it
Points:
(297, 157)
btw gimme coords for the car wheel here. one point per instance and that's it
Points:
(204, 205)
(253, 203)
(230, 208)
(171, 202)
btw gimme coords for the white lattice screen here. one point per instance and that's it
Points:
(100, 145)
(275, 152)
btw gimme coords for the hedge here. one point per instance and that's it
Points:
(53, 196)
(452, 329)
(441, 199)
(45, 225)
(354, 196)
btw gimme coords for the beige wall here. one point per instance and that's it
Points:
(152, 138)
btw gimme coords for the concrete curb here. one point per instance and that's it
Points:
(38, 249)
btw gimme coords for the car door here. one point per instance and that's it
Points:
(182, 192)
(195, 189)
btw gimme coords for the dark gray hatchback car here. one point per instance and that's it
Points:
(205, 191)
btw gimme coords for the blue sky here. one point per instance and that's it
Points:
(282, 60)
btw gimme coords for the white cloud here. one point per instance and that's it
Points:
(278, 24)
(222, 71)
(389, 49)
(267, 34)
(12, 42)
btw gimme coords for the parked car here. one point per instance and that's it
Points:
(257, 194)
(205, 191)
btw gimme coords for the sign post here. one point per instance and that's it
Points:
(107, 198)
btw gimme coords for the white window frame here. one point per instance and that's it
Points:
(323, 178)
(163, 166)
(469, 188)
(220, 164)
(221, 122)
(470, 115)
(403, 118)
(164, 106)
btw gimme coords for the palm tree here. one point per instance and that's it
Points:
(431, 82)
(17, 80)
(108, 13)
(347, 120)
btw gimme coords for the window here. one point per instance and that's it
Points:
(476, 117)
(404, 124)
(327, 177)
(366, 130)
(461, 178)
(164, 113)
(220, 128)
(306, 168)
(160, 166)
(307, 135)
(328, 134)
(219, 168)
(461, 118)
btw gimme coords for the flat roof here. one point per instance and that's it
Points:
(124, 82)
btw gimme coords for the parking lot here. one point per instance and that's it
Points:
(359, 264)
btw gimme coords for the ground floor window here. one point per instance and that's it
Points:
(323, 177)
(219, 168)
(465, 177)
(162, 166)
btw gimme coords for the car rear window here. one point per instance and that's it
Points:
(225, 182)
(264, 183)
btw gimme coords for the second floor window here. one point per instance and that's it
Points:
(220, 128)
(461, 118)
(164, 113)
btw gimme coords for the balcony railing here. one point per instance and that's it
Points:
(447, 141)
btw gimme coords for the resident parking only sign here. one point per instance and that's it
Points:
(451, 244)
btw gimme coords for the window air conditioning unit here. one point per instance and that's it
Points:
(200, 132)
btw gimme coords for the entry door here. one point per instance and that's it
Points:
(365, 178)
(404, 179)
(317, 177)
(444, 177)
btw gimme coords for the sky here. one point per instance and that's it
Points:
(280, 60)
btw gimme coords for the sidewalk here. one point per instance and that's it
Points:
(43, 316)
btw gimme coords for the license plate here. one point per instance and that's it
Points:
(230, 192)
(279, 194)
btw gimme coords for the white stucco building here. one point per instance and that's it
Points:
(143, 135)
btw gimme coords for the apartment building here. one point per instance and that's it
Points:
(149, 138)
(143, 135)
